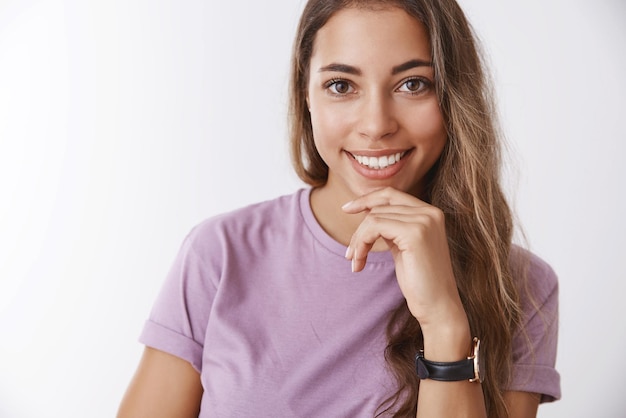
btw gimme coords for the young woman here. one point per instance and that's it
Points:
(388, 288)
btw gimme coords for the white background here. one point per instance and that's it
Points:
(123, 123)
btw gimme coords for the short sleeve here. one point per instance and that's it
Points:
(535, 344)
(178, 320)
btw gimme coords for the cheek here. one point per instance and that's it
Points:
(329, 126)
(320, 128)
(429, 127)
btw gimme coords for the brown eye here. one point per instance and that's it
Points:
(339, 87)
(414, 85)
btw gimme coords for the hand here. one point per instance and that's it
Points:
(416, 236)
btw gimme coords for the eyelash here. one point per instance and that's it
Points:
(333, 82)
(425, 84)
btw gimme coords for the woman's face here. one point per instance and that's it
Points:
(374, 111)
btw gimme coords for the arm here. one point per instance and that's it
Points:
(449, 399)
(415, 233)
(522, 404)
(164, 386)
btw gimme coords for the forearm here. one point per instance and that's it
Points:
(449, 399)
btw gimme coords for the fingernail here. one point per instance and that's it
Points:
(353, 266)
(346, 205)
(347, 252)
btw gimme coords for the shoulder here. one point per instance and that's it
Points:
(533, 275)
(248, 224)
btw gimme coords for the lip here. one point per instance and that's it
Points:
(378, 153)
(381, 173)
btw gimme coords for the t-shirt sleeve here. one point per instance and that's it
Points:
(178, 320)
(535, 345)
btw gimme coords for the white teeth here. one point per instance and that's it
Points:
(377, 163)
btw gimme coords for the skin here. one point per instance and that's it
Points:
(370, 93)
(164, 386)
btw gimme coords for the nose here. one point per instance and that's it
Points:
(377, 118)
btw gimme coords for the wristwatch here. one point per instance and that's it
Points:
(471, 369)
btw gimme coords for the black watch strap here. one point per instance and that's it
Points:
(447, 372)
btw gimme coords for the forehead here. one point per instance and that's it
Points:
(389, 35)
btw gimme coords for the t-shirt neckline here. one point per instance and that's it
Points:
(326, 240)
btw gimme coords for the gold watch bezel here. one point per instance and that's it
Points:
(475, 357)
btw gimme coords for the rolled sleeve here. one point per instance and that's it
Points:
(157, 336)
(179, 317)
(535, 344)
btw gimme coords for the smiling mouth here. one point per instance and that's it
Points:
(378, 163)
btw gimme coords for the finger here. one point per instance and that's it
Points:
(415, 222)
(383, 197)
(359, 258)
(359, 247)
(398, 209)
(373, 228)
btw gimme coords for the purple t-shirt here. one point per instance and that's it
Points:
(262, 302)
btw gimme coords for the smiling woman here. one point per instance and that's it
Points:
(355, 110)
(388, 109)
(263, 312)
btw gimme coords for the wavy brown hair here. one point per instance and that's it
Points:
(464, 183)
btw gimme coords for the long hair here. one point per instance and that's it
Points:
(464, 184)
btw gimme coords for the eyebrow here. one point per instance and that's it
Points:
(341, 68)
(349, 69)
(410, 64)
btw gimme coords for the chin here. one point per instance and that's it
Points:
(360, 190)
